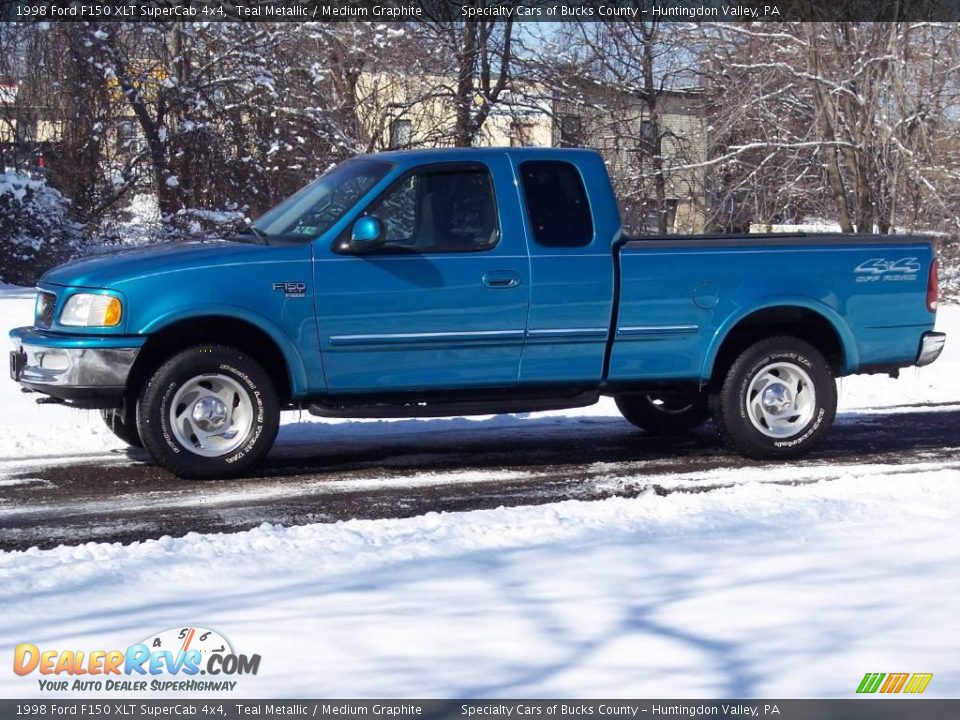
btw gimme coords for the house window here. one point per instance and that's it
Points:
(401, 133)
(8, 93)
(648, 134)
(521, 133)
(126, 135)
(571, 131)
(26, 131)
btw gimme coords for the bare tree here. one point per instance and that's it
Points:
(631, 91)
(472, 63)
(846, 117)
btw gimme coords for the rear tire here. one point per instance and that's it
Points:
(665, 414)
(209, 412)
(778, 400)
(123, 424)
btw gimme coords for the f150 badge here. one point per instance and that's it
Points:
(291, 289)
(881, 269)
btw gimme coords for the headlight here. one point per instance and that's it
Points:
(90, 310)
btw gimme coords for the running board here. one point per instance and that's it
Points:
(447, 408)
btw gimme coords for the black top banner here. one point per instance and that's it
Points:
(462, 10)
(542, 709)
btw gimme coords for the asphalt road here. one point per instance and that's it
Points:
(124, 497)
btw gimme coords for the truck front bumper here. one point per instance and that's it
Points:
(931, 345)
(82, 371)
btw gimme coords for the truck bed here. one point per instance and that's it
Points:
(680, 295)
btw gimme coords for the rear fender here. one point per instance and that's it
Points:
(851, 357)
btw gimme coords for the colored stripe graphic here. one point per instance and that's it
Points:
(918, 682)
(894, 682)
(870, 682)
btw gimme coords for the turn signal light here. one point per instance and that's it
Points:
(113, 313)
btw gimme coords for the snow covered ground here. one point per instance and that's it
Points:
(760, 589)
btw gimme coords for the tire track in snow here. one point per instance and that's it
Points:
(123, 497)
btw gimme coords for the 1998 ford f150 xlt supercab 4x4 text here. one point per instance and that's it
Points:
(452, 282)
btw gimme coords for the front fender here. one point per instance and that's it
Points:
(851, 355)
(299, 383)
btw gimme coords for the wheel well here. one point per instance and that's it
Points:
(239, 334)
(794, 321)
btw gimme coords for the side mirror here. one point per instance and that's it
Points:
(366, 233)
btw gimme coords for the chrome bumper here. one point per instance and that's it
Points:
(931, 345)
(72, 374)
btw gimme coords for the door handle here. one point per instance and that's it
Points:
(501, 279)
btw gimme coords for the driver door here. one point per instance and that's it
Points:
(442, 301)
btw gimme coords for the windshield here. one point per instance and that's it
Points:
(313, 209)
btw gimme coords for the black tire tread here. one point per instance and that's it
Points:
(123, 424)
(634, 409)
(726, 398)
(716, 414)
(186, 465)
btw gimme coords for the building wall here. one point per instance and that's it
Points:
(385, 101)
(610, 121)
(618, 126)
(401, 111)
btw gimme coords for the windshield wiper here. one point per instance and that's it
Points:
(257, 234)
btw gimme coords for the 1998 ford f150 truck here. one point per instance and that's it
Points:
(449, 282)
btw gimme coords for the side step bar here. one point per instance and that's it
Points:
(446, 408)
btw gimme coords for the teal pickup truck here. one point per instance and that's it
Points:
(454, 282)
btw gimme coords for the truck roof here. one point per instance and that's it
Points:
(447, 154)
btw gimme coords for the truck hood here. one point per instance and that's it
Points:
(110, 269)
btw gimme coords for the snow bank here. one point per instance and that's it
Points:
(17, 185)
(35, 228)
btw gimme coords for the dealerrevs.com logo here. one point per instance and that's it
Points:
(168, 661)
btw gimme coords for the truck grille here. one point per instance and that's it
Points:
(45, 305)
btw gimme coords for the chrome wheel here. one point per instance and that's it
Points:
(781, 400)
(211, 415)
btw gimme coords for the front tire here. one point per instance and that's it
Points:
(665, 414)
(123, 424)
(778, 400)
(210, 411)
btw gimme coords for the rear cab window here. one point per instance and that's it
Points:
(557, 204)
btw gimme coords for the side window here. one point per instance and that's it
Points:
(397, 212)
(439, 211)
(556, 203)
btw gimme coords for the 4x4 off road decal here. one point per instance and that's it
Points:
(884, 270)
